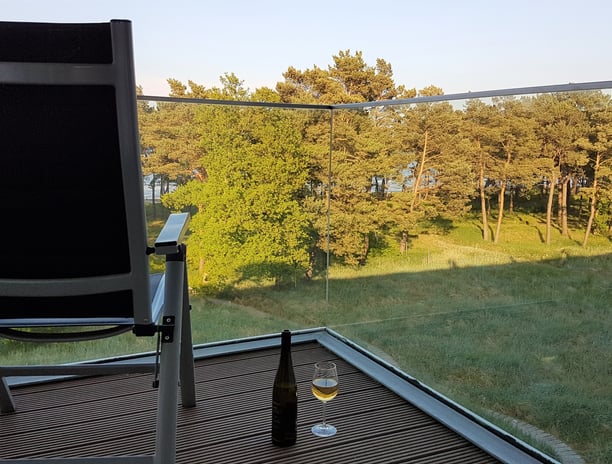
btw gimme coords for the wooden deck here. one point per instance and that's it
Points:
(115, 415)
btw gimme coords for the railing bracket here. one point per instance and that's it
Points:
(167, 329)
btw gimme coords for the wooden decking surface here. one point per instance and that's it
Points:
(231, 423)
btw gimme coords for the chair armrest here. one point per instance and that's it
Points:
(171, 235)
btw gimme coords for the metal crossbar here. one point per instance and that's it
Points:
(532, 90)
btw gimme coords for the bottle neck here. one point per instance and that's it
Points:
(285, 341)
(285, 358)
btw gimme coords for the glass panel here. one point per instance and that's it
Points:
(458, 248)
(460, 277)
(469, 241)
(254, 180)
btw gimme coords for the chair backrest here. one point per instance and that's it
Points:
(73, 231)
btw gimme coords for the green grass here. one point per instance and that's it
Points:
(518, 327)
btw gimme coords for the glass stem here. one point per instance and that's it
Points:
(324, 408)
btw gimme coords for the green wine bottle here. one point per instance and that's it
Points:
(284, 397)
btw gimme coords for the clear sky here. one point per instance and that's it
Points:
(458, 45)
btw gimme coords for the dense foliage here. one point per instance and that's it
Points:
(259, 183)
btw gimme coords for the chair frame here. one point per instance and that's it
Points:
(167, 313)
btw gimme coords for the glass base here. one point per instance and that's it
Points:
(323, 430)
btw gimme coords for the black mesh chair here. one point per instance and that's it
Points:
(73, 234)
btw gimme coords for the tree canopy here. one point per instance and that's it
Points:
(260, 184)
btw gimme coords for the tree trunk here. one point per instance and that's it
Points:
(500, 213)
(311, 264)
(201, 269)
(559, 203)
(593, 202)
(152, 184)
(153, 197)
(366, 249)
(483, 199)
(563, 200)
(574, 189)
(417, 180)
(549, 207)
(502, 195)
(404, 243)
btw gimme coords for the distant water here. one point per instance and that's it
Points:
(148, 191)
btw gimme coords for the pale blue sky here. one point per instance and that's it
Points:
(467, 45)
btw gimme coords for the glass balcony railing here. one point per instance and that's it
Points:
(448, 236)
(466, 240)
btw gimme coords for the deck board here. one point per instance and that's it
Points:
(115, 415)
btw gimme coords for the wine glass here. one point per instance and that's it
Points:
(324, 388)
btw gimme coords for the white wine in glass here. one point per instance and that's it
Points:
(324, 388)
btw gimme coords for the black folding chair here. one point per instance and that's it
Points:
(73, 233)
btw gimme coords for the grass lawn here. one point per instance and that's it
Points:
(517, 327)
